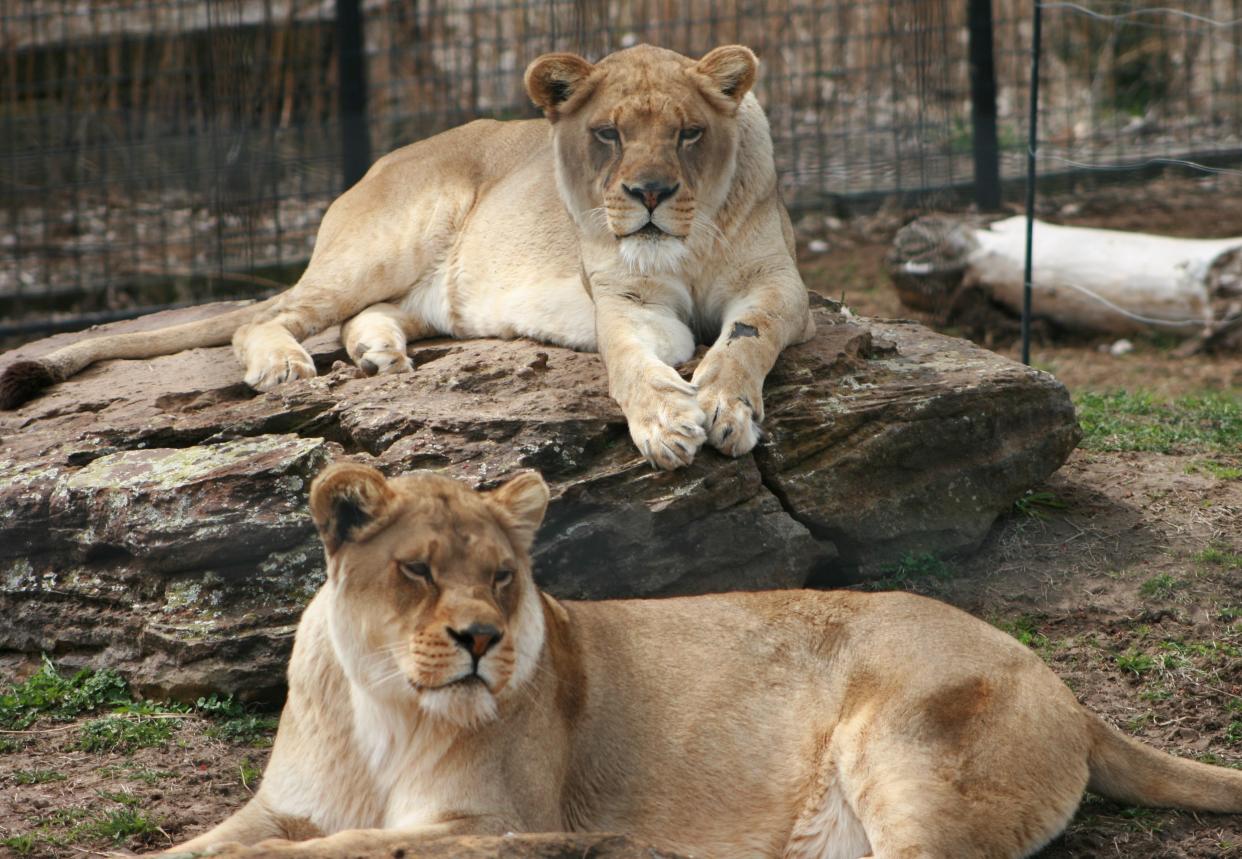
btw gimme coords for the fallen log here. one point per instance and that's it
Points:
(1083, 279)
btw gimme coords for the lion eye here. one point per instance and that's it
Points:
(691, 135)
(417, 572)
(503, 577)
(606, 134)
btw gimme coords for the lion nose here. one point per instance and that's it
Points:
(477, 638)
(651, 194)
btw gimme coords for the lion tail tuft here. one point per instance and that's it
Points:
(23, 381)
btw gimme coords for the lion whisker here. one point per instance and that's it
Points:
(701, 220)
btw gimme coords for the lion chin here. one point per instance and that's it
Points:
(645, 253)
(466, 705)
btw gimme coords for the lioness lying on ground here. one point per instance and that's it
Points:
(433, 690)
(641, 218)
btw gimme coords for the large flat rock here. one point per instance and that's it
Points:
(152, 513)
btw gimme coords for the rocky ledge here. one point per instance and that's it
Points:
(154, 520)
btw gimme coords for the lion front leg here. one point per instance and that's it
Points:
(771, 314)
(639, 341)
(252, 823)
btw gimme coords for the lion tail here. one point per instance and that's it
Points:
(24, 380)
(1125, 770)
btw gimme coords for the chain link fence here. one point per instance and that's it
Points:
(163, 151)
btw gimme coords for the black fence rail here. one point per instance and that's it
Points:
(162, 151)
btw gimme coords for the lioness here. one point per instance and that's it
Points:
(641, 218)
(434, 690)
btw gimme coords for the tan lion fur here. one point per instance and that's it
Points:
(527, 229)
(796, 724)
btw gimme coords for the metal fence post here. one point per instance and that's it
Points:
(1032, 147)
(351, 64)
(983, 106)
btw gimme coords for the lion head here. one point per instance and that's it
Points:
(432, 594)
(645, 142)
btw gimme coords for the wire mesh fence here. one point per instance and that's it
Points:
(158, 151)
(1125, 83)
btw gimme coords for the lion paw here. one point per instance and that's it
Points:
(265, 849)
(384, 361)
(667, 423)
(732, 426)
(287, 364)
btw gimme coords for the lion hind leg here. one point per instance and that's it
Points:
(376, 339)
(827, 828)
(917, 805)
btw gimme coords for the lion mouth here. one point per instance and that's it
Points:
(464, 681)
(648, 230)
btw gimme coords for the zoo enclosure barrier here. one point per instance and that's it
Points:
(168, 151)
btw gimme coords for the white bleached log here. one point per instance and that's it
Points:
(1086, 279)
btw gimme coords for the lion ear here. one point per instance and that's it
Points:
(553, 79)
(350, 503)
(729, 71)
(525, 499)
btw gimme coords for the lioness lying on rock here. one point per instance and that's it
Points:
(641, 218)
(433, 690)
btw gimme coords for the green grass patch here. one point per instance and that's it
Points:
(118, 825)
(1219, 470)
(234, 722)
(913, 571)
(1135, 661)
(249, 773)
(127, 725)
(1218, 761)
(1023, 629)
(1038, 505)
(1212, 650)
(126, 733)
(1156, 693)
(37, 776)
(1217, 557)
(1142, 819)
(1122, 420)
(121, 797)
(70, 827)
(62, 817)
(21, 845)
(1159, 587)
(49, 693)
(133, 771)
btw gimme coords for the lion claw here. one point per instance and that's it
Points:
(734, 428)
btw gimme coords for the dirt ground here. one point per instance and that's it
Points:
(1123, 571)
